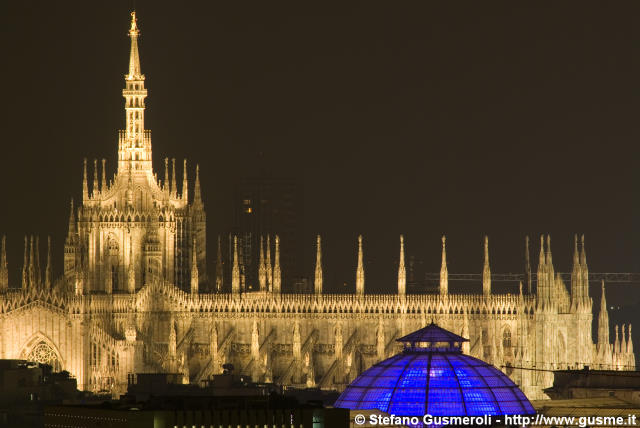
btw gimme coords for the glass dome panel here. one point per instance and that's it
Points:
(438, 381)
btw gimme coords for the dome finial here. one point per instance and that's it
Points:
(432, 338)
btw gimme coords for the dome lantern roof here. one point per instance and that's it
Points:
(432, 338)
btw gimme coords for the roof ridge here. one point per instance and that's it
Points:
(432, 333)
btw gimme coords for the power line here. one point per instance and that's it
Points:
(608, 277)
(595, 372)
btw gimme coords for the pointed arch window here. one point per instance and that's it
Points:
(94, 355)
(114, 360)
(506, 338)
(139, 198)
(43, 353)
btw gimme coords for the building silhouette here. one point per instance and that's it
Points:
(263, 207)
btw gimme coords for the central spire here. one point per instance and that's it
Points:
(134, 56)
(134, 148)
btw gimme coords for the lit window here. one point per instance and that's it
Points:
(247, 206)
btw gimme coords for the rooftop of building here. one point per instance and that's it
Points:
(589, 407)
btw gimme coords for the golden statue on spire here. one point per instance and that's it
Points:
(134, 25)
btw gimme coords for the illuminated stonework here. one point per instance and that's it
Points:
(42, 353)
(132, 297)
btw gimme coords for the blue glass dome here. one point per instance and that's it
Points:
(432, 376)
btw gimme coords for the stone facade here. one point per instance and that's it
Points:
(132, 297)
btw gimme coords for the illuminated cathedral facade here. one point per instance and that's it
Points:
(134, 297)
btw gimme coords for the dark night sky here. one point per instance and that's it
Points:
(420, 118)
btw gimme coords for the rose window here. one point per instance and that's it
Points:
(42, 353)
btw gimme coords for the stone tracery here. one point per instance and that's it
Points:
(42, 353)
